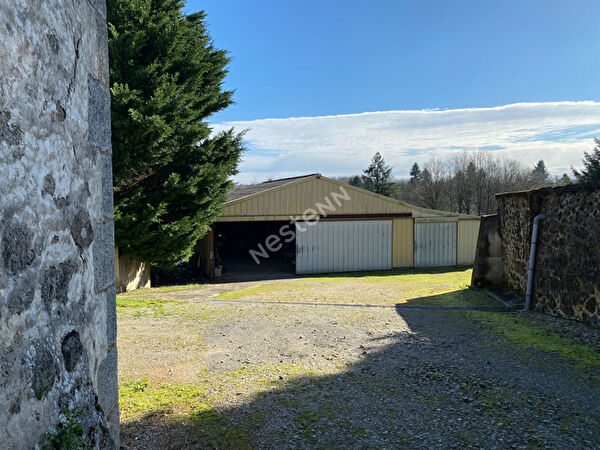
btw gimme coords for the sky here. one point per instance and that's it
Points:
(320, 86)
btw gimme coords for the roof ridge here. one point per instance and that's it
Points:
(289, 178)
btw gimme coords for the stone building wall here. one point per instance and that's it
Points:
(488, 268)
(131, 273)
(567, 271)
(57, 296)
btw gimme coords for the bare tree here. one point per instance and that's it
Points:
(432, 181)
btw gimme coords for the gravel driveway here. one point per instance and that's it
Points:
(307, 376)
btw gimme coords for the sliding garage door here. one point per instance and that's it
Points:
(343, 246)
(435, 244)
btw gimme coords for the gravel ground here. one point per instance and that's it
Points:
(300, 376)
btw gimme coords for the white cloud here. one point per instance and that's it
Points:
(558, 133)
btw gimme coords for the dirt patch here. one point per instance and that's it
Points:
(197, 374)
(201, 292)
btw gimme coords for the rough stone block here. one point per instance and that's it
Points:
(21, 297)
(108, 392)
(102, 51)
(99, 6)
(43, 372)
(104, 256)
(17, 247)
(111, 316)
(11, 134)
(81, 230)
(107, 187)
(99, 114)
(71, 350)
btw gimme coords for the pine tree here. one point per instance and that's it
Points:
(377, 177)
(564, 180)
(539, 173)
(591, 166)
(355, 181)
(170, 174)
(415, 173)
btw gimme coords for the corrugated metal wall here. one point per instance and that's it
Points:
(435, 244)
(468, 231)
(343, 246)
(402, 242)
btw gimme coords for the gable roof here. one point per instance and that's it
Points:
(244, 190)
(283, 198)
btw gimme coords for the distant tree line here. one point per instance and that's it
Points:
(467, 182)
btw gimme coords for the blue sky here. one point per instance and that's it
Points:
(334, 58)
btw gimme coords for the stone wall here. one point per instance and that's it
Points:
(567, 274)
(488, 268)
(57, 295)
(131, 273)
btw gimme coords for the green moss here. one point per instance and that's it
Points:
(214, 430)
(42, 392)
(318, 420)
(526, 332)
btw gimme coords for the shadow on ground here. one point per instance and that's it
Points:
(447, 382)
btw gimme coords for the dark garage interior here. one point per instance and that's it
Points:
(236, 242)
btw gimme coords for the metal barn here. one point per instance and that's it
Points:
(314, 224)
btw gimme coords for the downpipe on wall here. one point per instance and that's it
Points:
(531, 269)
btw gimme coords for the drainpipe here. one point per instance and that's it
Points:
(531, 269)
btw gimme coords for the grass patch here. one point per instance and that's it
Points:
(139, 397)
(525, 332)
(147, 306)
(466, 297)
(131, 302)
(384, 287)
(181, 404)
(388, 275)
(162, 290)
(252, 379)
(190, 312)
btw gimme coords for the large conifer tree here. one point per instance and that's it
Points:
(377, 177)
(591, 166)
(170, 174)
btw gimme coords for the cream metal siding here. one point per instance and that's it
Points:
(435, 244)
(343, 246)
(402, 242)
(298, 197)
(468, 231)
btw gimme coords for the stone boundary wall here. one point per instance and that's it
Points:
(131, 273)
(567, 271)
(488, 268)
(57, 284)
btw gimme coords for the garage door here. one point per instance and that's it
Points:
(435, 244)
(343, 246)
